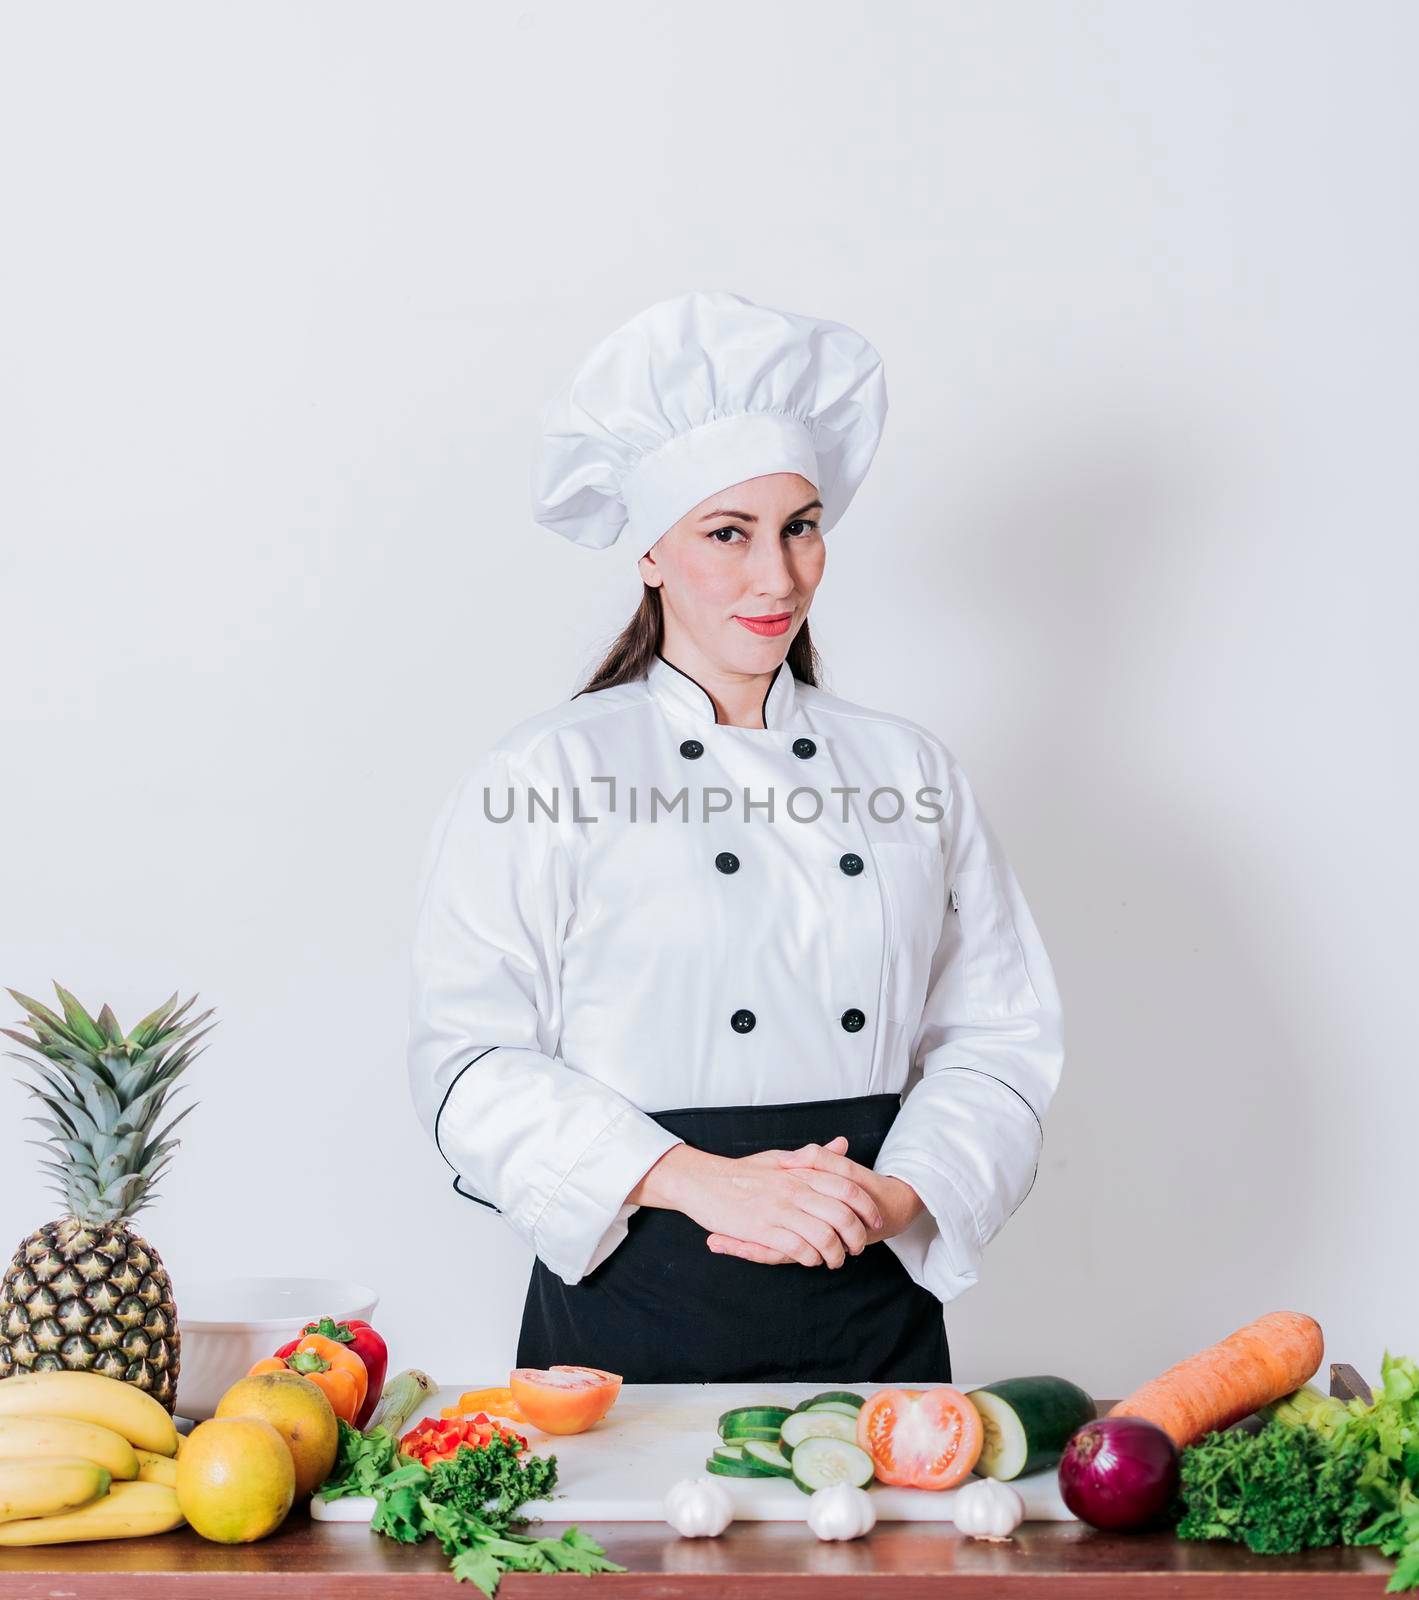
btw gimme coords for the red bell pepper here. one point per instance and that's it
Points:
(364, 1342)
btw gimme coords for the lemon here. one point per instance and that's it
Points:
(235, 1479)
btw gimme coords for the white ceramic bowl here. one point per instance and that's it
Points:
(229, 1324)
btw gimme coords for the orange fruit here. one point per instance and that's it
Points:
(235, 1479)
(299, 1412)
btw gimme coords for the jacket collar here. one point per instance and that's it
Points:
(681, 695)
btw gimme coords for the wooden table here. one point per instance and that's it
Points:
(778, 1560)
(898, 1560)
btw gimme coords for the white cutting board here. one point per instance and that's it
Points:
(656, 1433)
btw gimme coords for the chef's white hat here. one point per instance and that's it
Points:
(695, 394)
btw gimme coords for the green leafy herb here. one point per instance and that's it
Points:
(469, 1503)
(1389, 1429)
(360, 1462)
(492, 1482)
(1278, 1491)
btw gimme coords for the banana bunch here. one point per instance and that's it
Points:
(83, 1457)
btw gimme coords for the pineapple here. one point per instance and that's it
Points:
(86, 1293)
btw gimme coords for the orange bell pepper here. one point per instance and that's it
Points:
(497, 1401)
(333, 1368)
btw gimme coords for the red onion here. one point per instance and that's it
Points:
(1119, 1473)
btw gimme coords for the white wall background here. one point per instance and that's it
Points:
(283, 289)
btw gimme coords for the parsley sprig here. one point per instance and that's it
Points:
(469, 1503)
(1277, 1491)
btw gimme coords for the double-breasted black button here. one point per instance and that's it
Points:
(850, 864)
(692, 749)
(742, 1021)
(853, 1019)
(727, 861)
(803, 748)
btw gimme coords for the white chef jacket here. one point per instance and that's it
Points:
(573, 973)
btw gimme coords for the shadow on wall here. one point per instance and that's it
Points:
(1171, 1205)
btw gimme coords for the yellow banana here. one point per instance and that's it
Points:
(127, 1511)
(153, 1468)
(39, 1489)
(28, 1437)
(90, 1397)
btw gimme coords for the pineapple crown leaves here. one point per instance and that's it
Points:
(104, 1091)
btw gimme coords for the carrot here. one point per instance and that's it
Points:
(1251, 1368)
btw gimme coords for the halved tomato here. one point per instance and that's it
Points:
(562, 1399)
(921, 1438)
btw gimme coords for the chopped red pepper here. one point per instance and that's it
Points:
(436, 1439)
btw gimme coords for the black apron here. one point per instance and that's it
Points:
(663, 1308)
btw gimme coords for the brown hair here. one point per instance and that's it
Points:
(639, 642)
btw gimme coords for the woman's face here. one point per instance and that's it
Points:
(752, 551)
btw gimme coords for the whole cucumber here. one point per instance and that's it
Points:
(1028, 1422)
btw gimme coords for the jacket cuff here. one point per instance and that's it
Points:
(942, 1248)
(586, 1216)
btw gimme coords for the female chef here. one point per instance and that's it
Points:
(724, 994)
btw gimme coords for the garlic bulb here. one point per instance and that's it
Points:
(985, 1508)
(841, 1511)
(698, 1508)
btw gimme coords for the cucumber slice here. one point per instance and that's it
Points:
(840, 1406)
(819, 1462)
(817, 1425)
(768, 1455)
(1027, 1423)
(841, 1396)
(736, 1469)
(728, 1452)
(752, 1421)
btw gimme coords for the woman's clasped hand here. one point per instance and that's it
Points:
(812, 1206)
